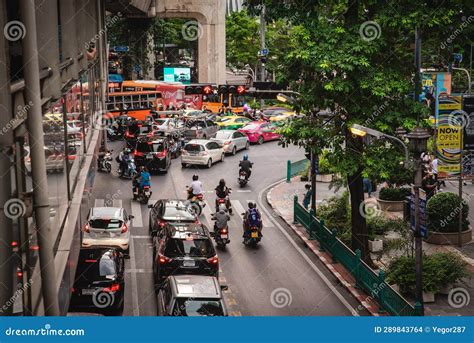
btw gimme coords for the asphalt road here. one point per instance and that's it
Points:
(279, 277)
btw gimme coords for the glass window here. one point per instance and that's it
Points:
(107, 266)
(146, 147)
(106, 224)
(194, 148)
(251, 127)
(197, 307)
(176, 247)
(178, 212)
(224, 134)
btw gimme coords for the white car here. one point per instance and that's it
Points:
(203, 152)
(231, 140)
(107, 226)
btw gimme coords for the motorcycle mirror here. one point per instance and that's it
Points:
(131, 217)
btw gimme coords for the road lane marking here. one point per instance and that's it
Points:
(307, 259)
(140, 270)
(238, 208)
(99, 203)
(244, 191)
(140, 237)
(136, 309)
(117, 203)
(137, 221)
(208, 214)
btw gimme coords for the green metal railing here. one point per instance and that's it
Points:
(295, 168)
(368, 280)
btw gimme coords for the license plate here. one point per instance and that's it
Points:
(242, 177)
(88, 291)
(224, 236)
(254, 235)
(189, 263)
(147, 194)
(149, 157)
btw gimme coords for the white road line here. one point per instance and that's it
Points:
(238, 208)
(136, 310)
(140, 236)
(138, 270)
(99, 203)
(137, 221)
(117, 203)
(303, 254)
(207, 215)
(244, 191)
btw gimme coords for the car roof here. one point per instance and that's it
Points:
(174, 202)
(195, 231)
(152, 139)
(195, 286)
(106, 212)
(227, 130)
(199, 141)
(96, 252)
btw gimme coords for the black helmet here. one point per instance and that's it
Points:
(222, 182)
(251, 205)
(195, 177)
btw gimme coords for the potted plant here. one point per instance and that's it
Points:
(392, 199)
(378, 226)
(304, 174)
(442, 216)
(325, 173)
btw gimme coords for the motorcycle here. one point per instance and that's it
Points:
(252, 236)
(130, 171)
(114, 134)
(221, 236)
(243, 178)
(224, 201)
(143, 194)
(197, 203)
(103, 162)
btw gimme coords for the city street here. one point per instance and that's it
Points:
(280, 264)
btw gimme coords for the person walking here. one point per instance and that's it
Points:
(308, 195)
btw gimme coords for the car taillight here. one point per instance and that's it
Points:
(213, 260)
(86, 228)
(164, 259)
(162, 223)
(90, 261)
(128, 135)
(114, 288)
(184, 152)
(137, 153)
(124, 228)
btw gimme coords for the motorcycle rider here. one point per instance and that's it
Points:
(221, 218)
(246, 166)
(222, 191)
(252, 218)
(123, 158)
(196, 187)
(145, 178)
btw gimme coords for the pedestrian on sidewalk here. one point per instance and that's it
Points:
(308, 195)
(429, 185)
(434, 166)
(367, 186)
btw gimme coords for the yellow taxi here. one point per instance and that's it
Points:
(232, 122)
(280, 117)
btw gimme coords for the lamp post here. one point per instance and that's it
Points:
(418, 139)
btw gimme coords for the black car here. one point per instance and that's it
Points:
(174, 212)
(153, 153)
(183, 250)
(138, 129)
(99, 282)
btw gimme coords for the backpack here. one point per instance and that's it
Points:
(254, 218)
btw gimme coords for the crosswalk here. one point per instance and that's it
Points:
(138, 211)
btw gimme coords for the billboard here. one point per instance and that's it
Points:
(171, 74)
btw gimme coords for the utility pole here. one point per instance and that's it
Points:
(417, 70)
(262, 46)
(38, 163)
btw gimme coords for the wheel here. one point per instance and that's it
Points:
(196, 208)
(234, 151)
(183, 165)
(247, 145)
(260, 140)
(109, 168)
(222, 157)
(209, 163)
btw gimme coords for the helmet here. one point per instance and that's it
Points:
(195, 177)
(246, 157)
(251, 205)
(142, 168)
(127, 151)
(222, 182)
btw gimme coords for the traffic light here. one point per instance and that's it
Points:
(241, 90)
(223, 89)
(226, 89)
(199, 89)
(207, 90)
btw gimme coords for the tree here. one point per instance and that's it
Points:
(242, 39)
(355, 59)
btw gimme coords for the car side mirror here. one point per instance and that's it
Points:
(224, 287)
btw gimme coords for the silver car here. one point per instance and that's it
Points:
(231, 141)
(107, 226)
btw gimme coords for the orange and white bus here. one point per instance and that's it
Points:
(215, 102)
(137, 104)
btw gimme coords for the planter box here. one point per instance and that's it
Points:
(428, 297)
(449, 238)
(324, 177)
(391, 206)
(376, 245)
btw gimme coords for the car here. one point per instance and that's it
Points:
(138, 129)
(200, 128)
(107, 226)
(280, 118)
(183, 249)
(169, 124)
(231, 141)
(201, 152)
(153, 153)
(169, 211)
(260, 132)
(99, 282)
(54, 159)
(232, 122)
(191, 295)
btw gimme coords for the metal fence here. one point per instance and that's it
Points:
(367, 279)
(295, 168)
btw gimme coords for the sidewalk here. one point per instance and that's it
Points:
(280, 198)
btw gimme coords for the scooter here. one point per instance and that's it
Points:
(243, 178)
(197, 203)
(103, 162)
(252, 236)
(130, 171)
(143, 195)
(221, 236)
(224, 201)
(114, 134)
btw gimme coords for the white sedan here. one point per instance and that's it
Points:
(231, 141)
(202, 152)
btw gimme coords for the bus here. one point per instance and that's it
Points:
(215, 102)
(136, 104)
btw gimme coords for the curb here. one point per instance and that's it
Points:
(372, 308)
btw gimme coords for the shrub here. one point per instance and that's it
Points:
(439, 270)
(394, 194)
(379, 225)
(324, 165)
(442, 213)
(336, 213)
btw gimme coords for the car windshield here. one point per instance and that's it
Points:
(105, 223)
(194, 147)
(251, 127)
(177, 247)
(149, 147)
(223, 134)
(178, 213)
(224, 119)
(197, 307)
(89, 269)
(194, 124)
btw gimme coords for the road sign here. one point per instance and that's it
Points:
(121, 48)
(264, 52)
(422, 216)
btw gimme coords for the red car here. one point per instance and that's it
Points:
(260, 131)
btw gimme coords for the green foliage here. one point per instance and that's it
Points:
(380, 225)
(439, 270)
(442, 212)
(242, 39)
(324, 164)
(336, 213)
(394, 194)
